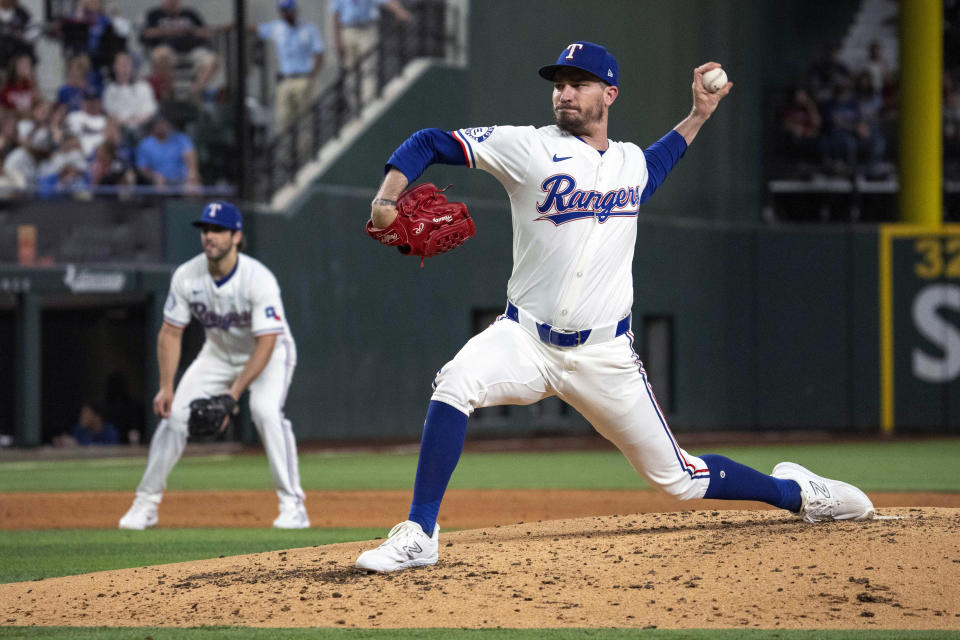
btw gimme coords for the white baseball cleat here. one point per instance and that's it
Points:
(825, 499)
(294, 517)
(142, 514)
(406, 546)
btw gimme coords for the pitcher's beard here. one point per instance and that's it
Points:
(569, 122)
(576, 123)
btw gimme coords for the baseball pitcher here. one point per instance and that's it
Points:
(565, 332)
(248, 345)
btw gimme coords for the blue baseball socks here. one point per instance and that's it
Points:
(731, 480)
(444, 432)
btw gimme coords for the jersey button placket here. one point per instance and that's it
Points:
(571, 295)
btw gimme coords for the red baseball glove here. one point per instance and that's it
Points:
(426, 224)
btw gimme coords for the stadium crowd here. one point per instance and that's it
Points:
(839, 120)
(108, 124)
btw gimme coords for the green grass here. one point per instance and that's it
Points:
(927, 465)
(27, 555)
(230, 633)
(33, 555)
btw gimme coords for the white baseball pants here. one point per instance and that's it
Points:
(211, 375)
(606, 383)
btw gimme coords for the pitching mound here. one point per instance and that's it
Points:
(691, 569)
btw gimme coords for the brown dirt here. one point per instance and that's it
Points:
(462, 509)
(692, 569)
(562, 565)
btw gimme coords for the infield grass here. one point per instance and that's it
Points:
(924, 465)
(231, 633)
(33, 555)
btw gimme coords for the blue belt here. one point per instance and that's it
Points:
(560, 338)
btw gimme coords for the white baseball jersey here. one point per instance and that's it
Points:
(233, 311)
(574, 220)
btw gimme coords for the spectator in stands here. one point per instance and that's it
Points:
(90, 429)
(128, 100)
(845, 132)
(171, 28)
(17, 32)
(167, 157)
(20, 93)
(299, 50)
(826, 73)
(877, 67)
(355, 34)
(70, 178)
(90, 13)
(39, 117)
(68, 152)
(873, 142)
(800, 125)
(70, 94)
(114, 160)
(21, 165)
(89, 123)
(161, 77)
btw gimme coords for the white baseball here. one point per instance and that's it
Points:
(714, 80)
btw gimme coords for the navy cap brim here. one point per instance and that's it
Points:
(549, 71)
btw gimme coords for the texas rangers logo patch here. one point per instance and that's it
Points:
(479, 133)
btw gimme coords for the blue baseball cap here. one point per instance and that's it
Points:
(587, 56)
(221, 214)
(286, 5)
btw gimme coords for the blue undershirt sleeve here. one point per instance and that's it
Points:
(661, 157)
(423, 148)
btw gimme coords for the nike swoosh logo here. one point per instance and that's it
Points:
(556, 159)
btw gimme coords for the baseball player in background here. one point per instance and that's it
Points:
(574, 197)
(248, 345)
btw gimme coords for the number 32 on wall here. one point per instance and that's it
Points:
(938, 257)
(922, 293)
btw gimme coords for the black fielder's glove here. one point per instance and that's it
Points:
(207, 415)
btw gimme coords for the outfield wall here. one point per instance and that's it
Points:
(771, 328)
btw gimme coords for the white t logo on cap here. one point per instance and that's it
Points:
(573, 48)
(214, 207)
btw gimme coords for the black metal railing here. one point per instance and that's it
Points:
(276, 160)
